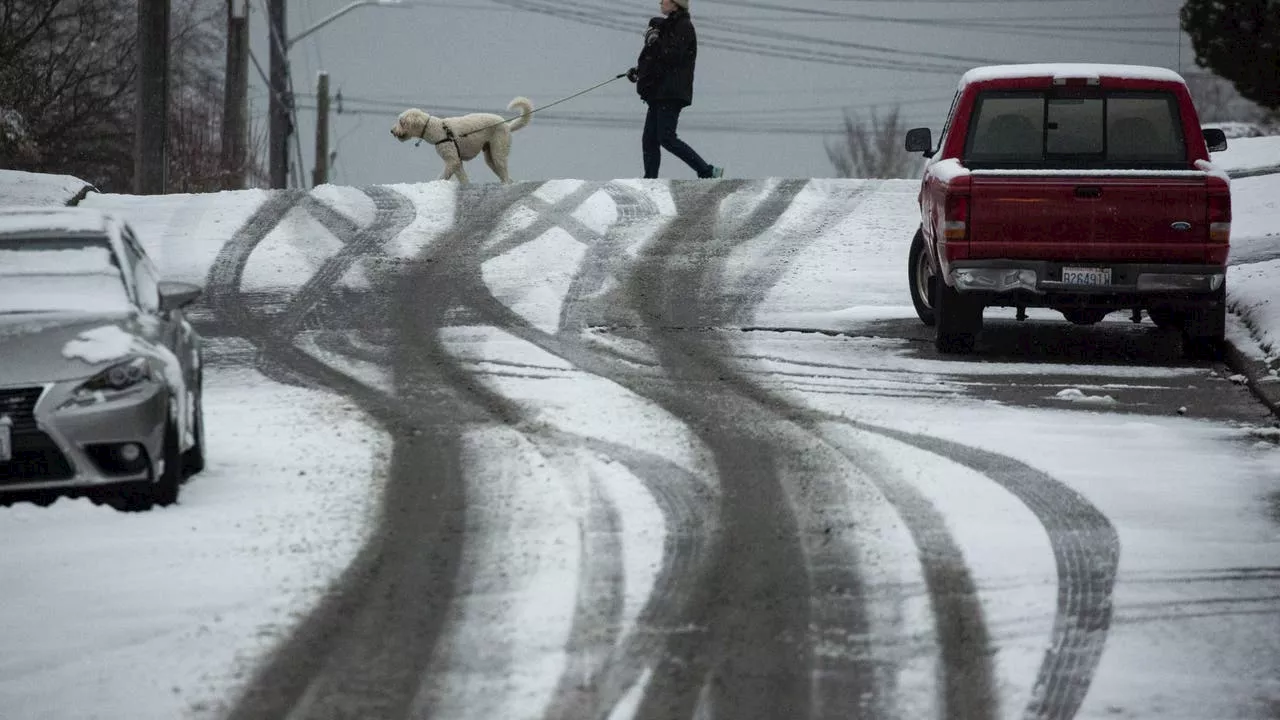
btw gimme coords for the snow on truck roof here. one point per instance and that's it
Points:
(1069, 70)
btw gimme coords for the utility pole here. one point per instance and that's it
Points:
(235, 110)
(321, 174)
(151, 131)
(280, 101)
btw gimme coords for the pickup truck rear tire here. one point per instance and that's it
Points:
(1164, 318)
(922, 280)
(1204, 329)
(959, 320)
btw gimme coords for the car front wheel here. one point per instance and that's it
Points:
(163, 491)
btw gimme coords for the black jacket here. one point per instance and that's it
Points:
(665, 68)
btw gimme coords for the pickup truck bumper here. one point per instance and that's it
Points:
(1035, 283)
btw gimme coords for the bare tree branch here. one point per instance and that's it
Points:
(872, 149)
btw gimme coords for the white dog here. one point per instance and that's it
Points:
(459, 139)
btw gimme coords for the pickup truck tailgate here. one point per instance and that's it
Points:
(1104, 217)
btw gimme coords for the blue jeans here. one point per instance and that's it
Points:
(660, 132)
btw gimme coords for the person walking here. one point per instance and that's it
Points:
(664, 80)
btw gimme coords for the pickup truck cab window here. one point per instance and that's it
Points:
(1095, 129)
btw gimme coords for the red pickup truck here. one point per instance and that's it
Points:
(1078, 187)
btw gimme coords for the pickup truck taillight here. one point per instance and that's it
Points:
(1219, 213)
(955, 220)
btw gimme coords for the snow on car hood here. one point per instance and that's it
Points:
(39, 348)
(100, 344)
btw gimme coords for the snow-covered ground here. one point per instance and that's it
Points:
(1154, 494)
(1249, 153)
(162, 614)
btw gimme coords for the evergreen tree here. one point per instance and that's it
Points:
(1240, 41)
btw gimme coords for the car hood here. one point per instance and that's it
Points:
(40, 348)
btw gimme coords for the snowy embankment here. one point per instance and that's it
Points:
(1253, 282)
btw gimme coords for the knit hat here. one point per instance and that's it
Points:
(681, 3)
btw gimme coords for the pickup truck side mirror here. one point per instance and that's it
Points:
(920, 140)
(1215, 138)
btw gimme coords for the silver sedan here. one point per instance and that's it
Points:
(100, 372)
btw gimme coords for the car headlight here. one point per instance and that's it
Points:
(121, 378)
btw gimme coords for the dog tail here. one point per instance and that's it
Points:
(526, 112)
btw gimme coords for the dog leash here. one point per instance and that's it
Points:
(544, 107)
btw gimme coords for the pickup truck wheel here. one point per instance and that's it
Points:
(1085, 316)
(959, 320)
(1204, 329)
(922, 279)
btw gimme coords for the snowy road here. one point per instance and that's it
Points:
(680, 450)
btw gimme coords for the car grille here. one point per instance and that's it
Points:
(36, 456)
(19, 405)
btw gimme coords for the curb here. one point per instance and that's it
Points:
(1253, 172)
(1264, 386)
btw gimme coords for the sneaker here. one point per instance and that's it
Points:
(717, 172)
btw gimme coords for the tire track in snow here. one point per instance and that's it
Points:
(1086, 550)
(689, 518)
(686, 513)
(362, 651)
(281, 682)
(393, 213)
(550, 215)
(602, 262)
(222, 289)
(455, 271)
(756, 659)
(597, 616)
(327, 667)
(697, 296)
(679, 683)
(594, 634)
(967, 683)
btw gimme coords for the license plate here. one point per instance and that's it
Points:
(6, 439)
(1086, 276)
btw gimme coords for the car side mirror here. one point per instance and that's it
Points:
(1215, 138)
(920, 140)
(177, 295)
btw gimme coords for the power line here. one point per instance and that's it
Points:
(768, 126)
(600, 19)
(396, 105)
(934, 22)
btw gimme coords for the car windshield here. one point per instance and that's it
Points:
(60, 275)
(1076, 128)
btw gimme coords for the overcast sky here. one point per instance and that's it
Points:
(773, 76)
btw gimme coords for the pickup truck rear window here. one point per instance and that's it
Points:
(1093, 129)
